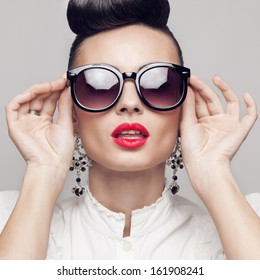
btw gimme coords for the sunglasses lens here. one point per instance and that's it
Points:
(162, 87)
(96, 88)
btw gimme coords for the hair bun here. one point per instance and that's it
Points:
(87, 17)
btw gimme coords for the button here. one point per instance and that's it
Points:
(127, 246)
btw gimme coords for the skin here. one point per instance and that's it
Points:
(124, 180)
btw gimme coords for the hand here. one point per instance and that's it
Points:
(42, 142)
(210, 134)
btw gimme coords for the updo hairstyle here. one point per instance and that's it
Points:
(89, 17)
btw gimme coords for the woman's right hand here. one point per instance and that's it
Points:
(42, 142)
(47, 147)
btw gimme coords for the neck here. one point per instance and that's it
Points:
(126, 191)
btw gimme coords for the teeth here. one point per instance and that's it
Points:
(130, 132)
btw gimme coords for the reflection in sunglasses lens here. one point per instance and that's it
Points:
(161, 87)
(96, 88)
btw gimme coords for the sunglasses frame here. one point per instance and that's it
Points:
(183, 71)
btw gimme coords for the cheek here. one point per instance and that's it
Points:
(90, 128)
(166, 136)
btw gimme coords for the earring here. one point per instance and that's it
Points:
(79, 163)
(175, 162)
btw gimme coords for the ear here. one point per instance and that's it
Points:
(75, 120)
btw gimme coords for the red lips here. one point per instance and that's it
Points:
(130, 135)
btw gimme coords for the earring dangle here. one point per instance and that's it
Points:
(79, 163)
(175, 162)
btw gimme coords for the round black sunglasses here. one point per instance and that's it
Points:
(97, 87)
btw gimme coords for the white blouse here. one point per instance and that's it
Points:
(171, 228)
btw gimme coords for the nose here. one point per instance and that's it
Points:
(129, 101)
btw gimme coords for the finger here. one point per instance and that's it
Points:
(50, 104)
(37, 103)
(20, 104)
(65, 109)
(37, 92)
(213, 103)
(201, 107)
(233, 104)
(251, 112)
(11, 116)
(46, 101)
(188, 115)
(17, 105)
(41, 90)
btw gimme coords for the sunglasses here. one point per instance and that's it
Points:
(98, 87)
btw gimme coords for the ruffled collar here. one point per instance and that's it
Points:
(143, 222)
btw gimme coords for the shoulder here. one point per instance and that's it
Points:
(7, 202)
(195, 216)
(254, 200)
(8, 197)
(61, 213)
(201, 228)
(64, 212)
(208, 244)
(188, 208)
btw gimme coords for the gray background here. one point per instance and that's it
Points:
(217, 37)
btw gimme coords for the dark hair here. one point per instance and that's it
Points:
(89, 17)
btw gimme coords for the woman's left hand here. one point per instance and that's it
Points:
(211, 134)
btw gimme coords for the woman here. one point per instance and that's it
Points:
(128, 83)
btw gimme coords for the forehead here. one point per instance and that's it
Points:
(127, 48)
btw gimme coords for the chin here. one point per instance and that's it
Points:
(131, 164)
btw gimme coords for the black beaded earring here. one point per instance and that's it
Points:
(175, 162)
(79, 163)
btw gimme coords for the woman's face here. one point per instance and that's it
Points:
(128, 49)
